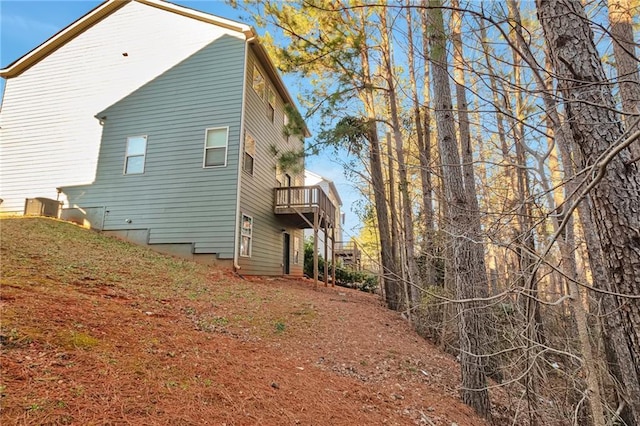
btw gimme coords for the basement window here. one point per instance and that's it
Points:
(246, 235)
(296, 250)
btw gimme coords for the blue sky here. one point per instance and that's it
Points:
(26, 24)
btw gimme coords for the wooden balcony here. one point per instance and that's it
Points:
(303, 206)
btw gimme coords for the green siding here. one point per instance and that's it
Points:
(177, 199)
(257, 190)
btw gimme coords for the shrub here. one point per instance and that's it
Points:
(344, 277)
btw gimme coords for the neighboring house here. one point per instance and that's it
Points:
(347, 253)
(156, 123)
(329, 188)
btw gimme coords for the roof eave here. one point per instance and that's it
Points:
(99, 13)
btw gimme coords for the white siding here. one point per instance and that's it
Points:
(48, 133)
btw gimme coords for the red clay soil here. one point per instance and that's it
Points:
(96, 331)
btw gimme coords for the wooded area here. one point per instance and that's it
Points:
(498, 145)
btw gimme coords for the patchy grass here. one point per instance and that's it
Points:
(98, 331)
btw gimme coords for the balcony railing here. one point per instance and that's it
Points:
(304, 200)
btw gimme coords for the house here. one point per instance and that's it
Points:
(347, 253)
(158, 123)
(328, 187)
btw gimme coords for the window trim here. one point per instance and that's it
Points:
(127, 156)
(226, 147)
(285, 123)
(253, 81)
(271, 104)
(245, 153)
(296, 250)
(249, 235)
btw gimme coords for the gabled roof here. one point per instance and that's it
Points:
(332, 186)
(99, 13)
(107, 8)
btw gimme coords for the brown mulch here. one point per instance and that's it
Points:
(98, 331)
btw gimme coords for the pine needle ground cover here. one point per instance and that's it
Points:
(98, 331)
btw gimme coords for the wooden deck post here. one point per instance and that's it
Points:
(333, 255)
(315, 249)
(326, 251)
(301, 202)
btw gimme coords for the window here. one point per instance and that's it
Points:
(215, 147)
(135, 154)
(246, 235)
(285, 124)
(249, 153)
(271, 109)
(296, 250)
(258, 82)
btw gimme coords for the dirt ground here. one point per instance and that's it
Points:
(95, 331)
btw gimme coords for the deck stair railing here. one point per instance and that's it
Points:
(349, 252)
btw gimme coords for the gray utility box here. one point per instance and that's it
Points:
(42, 207)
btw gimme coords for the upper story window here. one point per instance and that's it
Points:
(271, 108)
(259, 84)
(285, 123)
(135, 154)
(215, 147)
(249, 153)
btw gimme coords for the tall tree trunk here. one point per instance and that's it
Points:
(615, 341)
(496, 94)
(468, 284)
(619, 357)
(395, 227)
(441, 249)
(393, 292)
(500, 104)
(468, 161)
(624, 51)
(426, 276)
(407, 216)
(525, 232)
(598, 134)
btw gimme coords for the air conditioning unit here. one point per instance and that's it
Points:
(42, 207)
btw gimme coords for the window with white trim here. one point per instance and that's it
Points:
(246, 235)
(249, 153)
(135, 154)
(271, 108)
(215, 147)
(259, 84)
